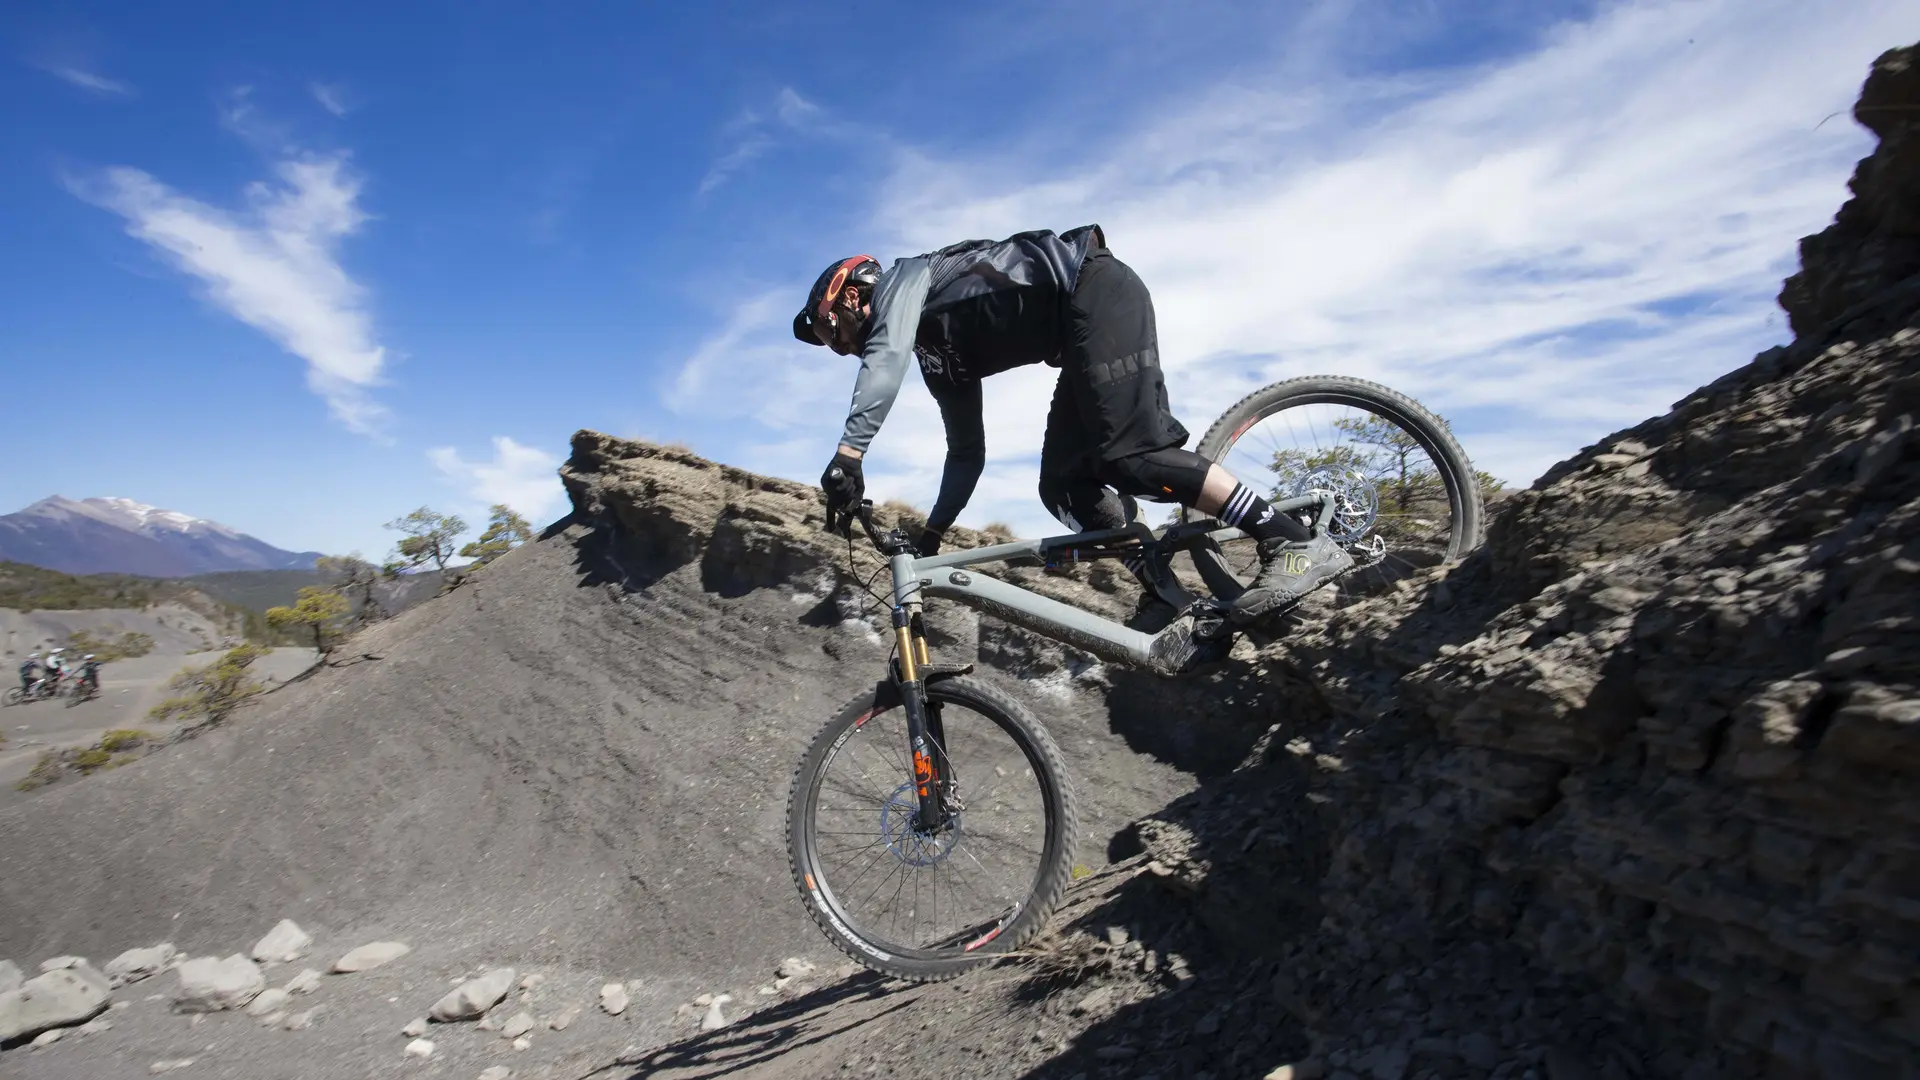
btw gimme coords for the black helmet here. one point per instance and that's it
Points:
(861, 270)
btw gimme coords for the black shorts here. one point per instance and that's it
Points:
(1110, 401)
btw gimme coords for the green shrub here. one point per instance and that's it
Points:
(207, 694)
(123, 739)
(44, 772)
(121, 759)
(90, 759)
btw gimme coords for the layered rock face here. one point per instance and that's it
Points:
(1664, 729)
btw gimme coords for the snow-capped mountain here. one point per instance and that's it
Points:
(98, 536)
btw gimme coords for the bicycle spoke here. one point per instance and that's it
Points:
(907, 889)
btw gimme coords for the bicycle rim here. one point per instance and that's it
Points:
(1402, 485)
(901, 894)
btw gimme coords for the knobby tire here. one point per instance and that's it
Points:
(1456, 471)
(1056, 869)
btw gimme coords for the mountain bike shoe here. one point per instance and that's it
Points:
(1289, 570)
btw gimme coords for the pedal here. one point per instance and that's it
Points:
(1366, 554)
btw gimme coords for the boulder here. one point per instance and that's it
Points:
(368, 957)
(613, 998)
(472, 998)
(285, 942)
(136, 964)
(59, 998)
(210, 983)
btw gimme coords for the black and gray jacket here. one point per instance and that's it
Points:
(966, 311)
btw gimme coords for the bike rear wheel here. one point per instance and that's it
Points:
(929, 906)
(1401, 478)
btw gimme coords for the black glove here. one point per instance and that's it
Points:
(927, 544)
(844, 485)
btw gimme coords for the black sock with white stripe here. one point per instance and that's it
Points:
(1256, 517)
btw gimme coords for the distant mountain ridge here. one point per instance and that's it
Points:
(120, 536)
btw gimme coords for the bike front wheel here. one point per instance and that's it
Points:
(928, 904)
(14, 696)
(1406, 496)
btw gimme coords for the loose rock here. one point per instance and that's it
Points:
(169, 1065)
(532, 982)
(715, 1020)
(210, 984)
(304, 983)
(420, 1048)
(517, 1025)
(613, 998)
(473, 998)
(795, 967)
(285, 942)
(368, 957)
(522, 1043)
(48, 1038)
(60, 963)
(564, 1018)
(496, 1072)
(94, 1027)
(415, 1028)
(59, 998)
(268, 1002)
(301, 1020)
(136, 964)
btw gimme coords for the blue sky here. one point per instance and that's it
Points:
(302, 267)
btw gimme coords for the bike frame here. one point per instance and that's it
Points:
(917, 578)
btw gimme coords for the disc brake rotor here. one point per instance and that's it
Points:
(1356, 502)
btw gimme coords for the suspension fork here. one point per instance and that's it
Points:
(926, 737)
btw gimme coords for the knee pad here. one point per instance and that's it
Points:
(1084, 504)
(1170, 475)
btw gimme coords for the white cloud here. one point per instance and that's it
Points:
(330, 98)
(1568, 239)
(87, 80)
(520, 476)
(754, 132)
(273, 265)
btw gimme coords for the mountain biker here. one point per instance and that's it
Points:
(29, 672)
(56, 665)
(89, 675)
(980, 307)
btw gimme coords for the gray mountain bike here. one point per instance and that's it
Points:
(932, 823)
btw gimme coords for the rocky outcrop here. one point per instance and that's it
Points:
(1871, 254)
(1663, 731)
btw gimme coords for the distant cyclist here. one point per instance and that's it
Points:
(89, 674)
(29, 673)
(980, 307)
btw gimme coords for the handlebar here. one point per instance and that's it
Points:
(890, 543)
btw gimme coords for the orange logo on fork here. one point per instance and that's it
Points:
(922, 770)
